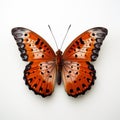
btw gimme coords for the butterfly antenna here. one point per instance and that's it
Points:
(65, 36)
(53, 36)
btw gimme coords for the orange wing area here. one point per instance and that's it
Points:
(78, 77)
(40, 73)
(78, 73)
(40, 77)
(31, 45)
(86, 46)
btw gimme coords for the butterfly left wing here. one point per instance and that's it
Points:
(31, 45)
(40, 73)
(40, 77)
(78, 73)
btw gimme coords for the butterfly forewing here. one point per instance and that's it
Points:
(31, 45)
(87, 45)
(40, 73)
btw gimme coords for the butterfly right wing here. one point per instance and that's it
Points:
(87, 45)
(40, 73)
(78, 76)
(78, 73)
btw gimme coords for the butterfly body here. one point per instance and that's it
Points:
(73, 66)
(59, 63)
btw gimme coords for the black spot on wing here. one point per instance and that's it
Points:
(37, 42)
(101, 29)
(94, 57)
(77, 42)
(24, 57)
(41, 43)
(71, 91)
(81, 41)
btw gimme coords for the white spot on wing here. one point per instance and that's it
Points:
(37, 52)
(70, 66)
(48, 66)
(81, 52)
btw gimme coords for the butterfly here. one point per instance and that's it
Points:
(73, 67)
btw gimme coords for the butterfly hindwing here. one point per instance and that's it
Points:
(78, 77)
(87, 45)
(40, 76)
(31, 45)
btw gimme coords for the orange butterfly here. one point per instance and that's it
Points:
(73, 66)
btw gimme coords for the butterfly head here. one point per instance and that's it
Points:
(59, 52)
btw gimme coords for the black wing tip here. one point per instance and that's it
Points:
(15, 29)
(103, 29)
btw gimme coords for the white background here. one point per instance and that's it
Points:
(102, 102)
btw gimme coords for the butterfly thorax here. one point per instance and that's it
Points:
(59, 65)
